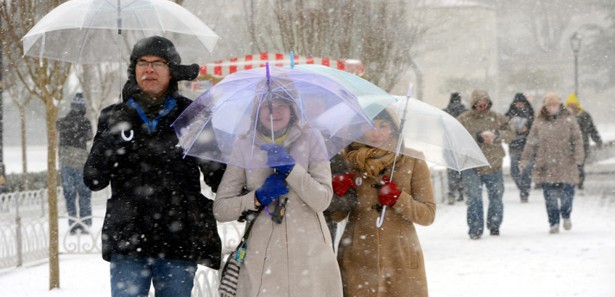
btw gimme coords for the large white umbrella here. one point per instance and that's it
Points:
(97, 31)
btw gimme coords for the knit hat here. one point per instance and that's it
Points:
(550, 98)
(573, 99)
(78, 99)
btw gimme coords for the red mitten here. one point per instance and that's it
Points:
(388, 193)
(343, 182)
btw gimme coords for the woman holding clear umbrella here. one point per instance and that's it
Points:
(386, 260)
(288, 253)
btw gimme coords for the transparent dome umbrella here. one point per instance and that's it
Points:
(428, 133)
(223, 120)
(371, 98)
(98, 31)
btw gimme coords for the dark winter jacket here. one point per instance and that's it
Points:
(156, 207)
(588, 129)
(455, 107)
(518, 118)
(74, 132)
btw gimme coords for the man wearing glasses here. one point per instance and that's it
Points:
(158, 225)
(489, 129)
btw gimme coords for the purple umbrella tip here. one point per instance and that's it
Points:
(267, 70)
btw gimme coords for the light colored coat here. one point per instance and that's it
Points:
(557, 146)
(388, 261)
(293, 258)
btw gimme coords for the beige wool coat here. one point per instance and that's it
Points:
(556, 144)
(387, 261)
(294, 258)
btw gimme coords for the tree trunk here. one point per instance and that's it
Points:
(52, 192)
(24, 151)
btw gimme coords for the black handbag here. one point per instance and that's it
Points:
(229, 278)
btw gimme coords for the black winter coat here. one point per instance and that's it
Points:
(156, 207)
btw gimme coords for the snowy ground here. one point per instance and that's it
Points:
(524, 261)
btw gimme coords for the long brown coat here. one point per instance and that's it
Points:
(557, 146)
(388, 261)
(293, 258)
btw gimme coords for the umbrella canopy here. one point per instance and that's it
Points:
(97, 31)
(211, 126)
(430, 134)
(371, 98)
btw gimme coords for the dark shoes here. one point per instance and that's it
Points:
(524, 198)
(494, 232)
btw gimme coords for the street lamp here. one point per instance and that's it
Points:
(575, 44)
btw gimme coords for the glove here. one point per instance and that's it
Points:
(341, 183)
(388, 193)
(278, 158)
(273, 187)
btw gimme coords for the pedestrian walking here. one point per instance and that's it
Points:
(455, 184)
(521, 117)
(288, 252)
(74, 132)
(158, 226)
(588, 130)
(555, 141)
(385, 261)
(490, 130)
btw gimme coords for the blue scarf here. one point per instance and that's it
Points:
(168, 105)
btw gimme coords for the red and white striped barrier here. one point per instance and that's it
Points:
(221, 69)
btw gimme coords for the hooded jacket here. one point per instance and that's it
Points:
(518, 118)
(478, 121)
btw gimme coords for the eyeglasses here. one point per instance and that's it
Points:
(158, 64)
(481, 105)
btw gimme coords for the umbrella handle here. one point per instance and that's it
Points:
(380, 219)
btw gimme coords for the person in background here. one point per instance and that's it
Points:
(158, 226)
(555, 143)
(455, 184)
(520, 117)
(490, 129)
(386, 260)
(588, 130)
(74, 132)
(288, 255)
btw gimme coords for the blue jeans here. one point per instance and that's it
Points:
(132, 276)
(565, 194)
(523, 179)
(72, 184)
(473, 184)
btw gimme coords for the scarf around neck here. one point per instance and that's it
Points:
(368, 160)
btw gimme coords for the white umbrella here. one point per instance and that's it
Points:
(97, 31)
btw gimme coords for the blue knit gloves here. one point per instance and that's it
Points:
(278, 158)
(273, 187)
